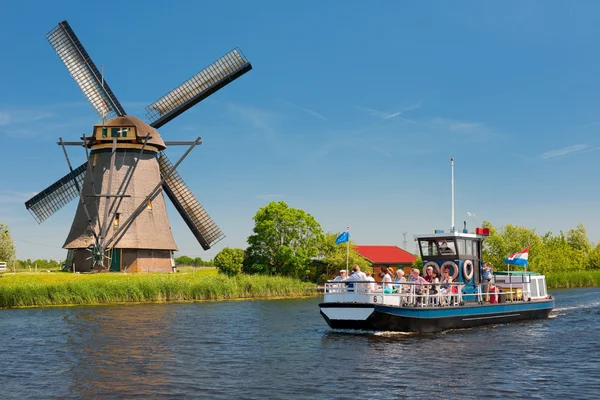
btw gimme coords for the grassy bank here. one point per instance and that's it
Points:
(56, 288)
(573, 279)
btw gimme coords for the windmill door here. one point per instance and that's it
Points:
(115, 260)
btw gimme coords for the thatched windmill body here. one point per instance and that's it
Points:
(121, 221)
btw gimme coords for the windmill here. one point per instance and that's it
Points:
(121, 221)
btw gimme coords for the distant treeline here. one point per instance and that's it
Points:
(39, 264)
(192, 262)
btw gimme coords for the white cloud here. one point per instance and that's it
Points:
(385, 115)
(565, 151)
(306, 110)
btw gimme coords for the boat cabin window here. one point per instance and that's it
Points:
(467, 248)
(428, 248)
(446, 247)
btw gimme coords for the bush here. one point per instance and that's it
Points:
(229, 261)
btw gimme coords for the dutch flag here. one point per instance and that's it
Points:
(521, 258)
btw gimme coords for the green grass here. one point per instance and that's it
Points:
(573, 279)
(60, 288)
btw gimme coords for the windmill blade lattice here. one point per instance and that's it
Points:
(57, 195)
(214, 77)
(197, 219)
(84, 71)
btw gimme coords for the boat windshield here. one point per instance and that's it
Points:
(437, 247)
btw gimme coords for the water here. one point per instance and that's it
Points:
(284, 349)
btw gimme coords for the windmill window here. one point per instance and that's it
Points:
(114, 132)
(104, 132)
(116, 223)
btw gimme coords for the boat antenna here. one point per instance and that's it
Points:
(452, 229)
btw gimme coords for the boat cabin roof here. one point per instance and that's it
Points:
(448, 235)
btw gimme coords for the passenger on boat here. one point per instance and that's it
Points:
(445, 289)
(400, 279)
(357, 275)
(371, 287)
(341, 276)
(434, 283)
(486, 276)
(429, 274)
(418, 282)
(386, 279)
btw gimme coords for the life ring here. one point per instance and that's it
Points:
(452, 264)
(468, 270)
(435, 267)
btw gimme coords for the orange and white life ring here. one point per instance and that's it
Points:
(468, 270)
(451, 265)
(432, 264)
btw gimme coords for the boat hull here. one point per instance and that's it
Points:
(426, 320)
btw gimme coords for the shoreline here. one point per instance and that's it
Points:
(64, 289)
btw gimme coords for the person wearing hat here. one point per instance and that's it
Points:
(341, 276)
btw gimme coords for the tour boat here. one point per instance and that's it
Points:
(418, 307)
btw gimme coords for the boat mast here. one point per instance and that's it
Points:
(452, 229)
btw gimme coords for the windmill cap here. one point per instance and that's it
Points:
(141, 127)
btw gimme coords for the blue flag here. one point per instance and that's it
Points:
(344, 237)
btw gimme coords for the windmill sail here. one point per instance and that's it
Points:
(214, 77)
(84, 71)
(57, 195)
(197, 219)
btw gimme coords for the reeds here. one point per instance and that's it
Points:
(573, 279)
(53, 289)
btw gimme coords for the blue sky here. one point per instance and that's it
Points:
(352, 111)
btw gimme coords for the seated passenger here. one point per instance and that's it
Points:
(400, 279)
(371, 287)
(418, 282)
(429, 274)
(341, 276)
(357, 275)
(445, 289)
(386, 279)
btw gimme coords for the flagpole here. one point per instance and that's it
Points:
(347, 252)
(452, 166)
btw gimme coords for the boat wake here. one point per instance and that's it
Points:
(565, 310)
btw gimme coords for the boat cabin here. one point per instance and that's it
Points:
(460, 252)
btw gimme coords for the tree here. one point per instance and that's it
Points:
(418, 263)
(593, 259)
(509, 239)
(283, 242)
(334, 255)
(229, 261)
(7, 246)
(577, 239)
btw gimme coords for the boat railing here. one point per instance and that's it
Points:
(418, 294)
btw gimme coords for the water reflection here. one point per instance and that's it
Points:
(120, 350)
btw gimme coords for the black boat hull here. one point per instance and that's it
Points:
(426, 320)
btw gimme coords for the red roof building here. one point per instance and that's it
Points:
(391, 256)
